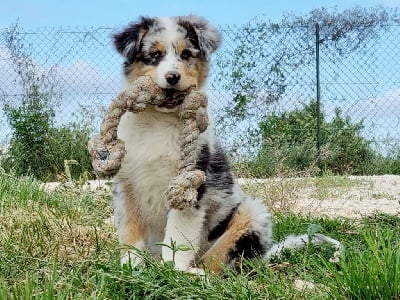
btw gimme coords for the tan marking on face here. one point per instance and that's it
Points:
(132, 228)
(158, 46)
(180, 46)
(217, 255)
(141, 69)
(194, 70)
(193, 73)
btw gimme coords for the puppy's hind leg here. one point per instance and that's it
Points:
(247, 235)
(183, 236)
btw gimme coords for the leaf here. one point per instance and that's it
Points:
(183, 248)
(313, 229)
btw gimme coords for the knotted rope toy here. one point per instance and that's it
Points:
(108, 151)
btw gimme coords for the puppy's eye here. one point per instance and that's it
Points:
(186, 54)
(155, 54)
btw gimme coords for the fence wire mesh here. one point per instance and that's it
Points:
(78, 66)
(259, 72)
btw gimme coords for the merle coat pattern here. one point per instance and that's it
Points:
(225, 224)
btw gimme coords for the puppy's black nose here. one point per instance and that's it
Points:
(172, 77)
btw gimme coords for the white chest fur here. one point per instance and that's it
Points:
(152, 144)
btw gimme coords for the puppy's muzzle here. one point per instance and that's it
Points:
(173, 99)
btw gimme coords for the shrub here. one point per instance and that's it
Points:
(290, 143)
(37, 146)
(32, 123)
(345, 150)
(70, 143)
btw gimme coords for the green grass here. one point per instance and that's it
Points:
(61, 245)
(371, 273)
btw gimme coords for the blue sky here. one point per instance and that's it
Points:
(48, 13)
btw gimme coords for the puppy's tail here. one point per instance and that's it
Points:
(300, 241)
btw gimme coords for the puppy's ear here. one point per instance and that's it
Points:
(201, 34)
(127, 42)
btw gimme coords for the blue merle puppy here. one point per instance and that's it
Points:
(225, 225)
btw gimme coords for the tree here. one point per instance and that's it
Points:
(267, 57)
(30, 112)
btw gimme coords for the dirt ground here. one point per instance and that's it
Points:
(351, 197)
(357, 196)
(369, 195)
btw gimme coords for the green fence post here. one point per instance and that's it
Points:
(317, 63)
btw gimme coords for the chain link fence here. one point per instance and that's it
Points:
(258, 73)
(266, 75)
(78, 66)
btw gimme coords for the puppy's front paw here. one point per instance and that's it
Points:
(196, 271)
(182, 191)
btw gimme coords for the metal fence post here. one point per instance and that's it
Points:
(317, 63)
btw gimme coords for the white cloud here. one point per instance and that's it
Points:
(77, 83)
(8, 72)
(384, 112)
(81, 77)
(390, 3)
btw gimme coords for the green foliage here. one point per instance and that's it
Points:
(290, 139)
(32, 122)
(38, 147)
(389, 163)
(344, 149)
(371, 273)
(70, 143)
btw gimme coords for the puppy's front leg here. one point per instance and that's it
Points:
(129, 223)
(184, 228)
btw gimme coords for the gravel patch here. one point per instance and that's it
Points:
(358, 196)
(370, 194)
(350, 197)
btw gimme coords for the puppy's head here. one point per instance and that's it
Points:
(174, 51)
